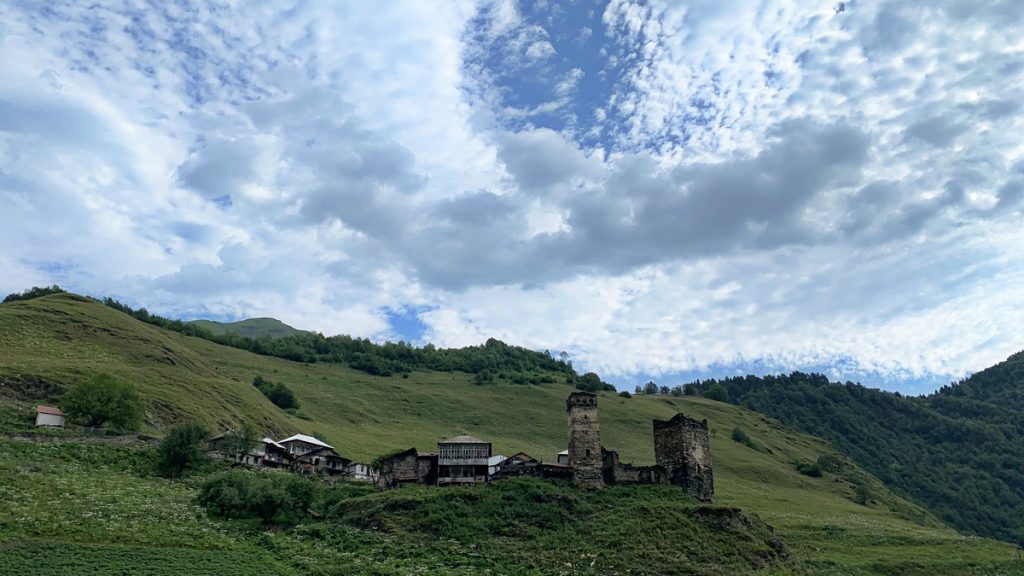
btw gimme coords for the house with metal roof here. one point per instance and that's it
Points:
(49, 417)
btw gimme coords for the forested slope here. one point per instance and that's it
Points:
(959, 451)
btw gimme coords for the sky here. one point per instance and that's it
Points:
(663, 190)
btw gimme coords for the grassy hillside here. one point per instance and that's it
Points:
(249, 328)
(57, 341)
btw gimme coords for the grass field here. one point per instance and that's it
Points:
(58, 341)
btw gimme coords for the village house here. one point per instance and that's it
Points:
(298, 453)
(361, 472)
(49, 417)
(272, 454)
(406, 467)
(462, 460)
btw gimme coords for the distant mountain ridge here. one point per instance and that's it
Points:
(249, 328)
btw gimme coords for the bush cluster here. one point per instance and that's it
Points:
(276, 392)
(271, 497)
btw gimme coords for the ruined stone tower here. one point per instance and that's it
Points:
(584, 440)
(682, 447)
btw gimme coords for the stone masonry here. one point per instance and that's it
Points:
(682, 448)
(584, 440)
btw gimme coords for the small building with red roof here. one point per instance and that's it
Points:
(49, 416)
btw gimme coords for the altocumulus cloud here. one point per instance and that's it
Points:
(657, 188)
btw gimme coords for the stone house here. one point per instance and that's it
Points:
(406, 467)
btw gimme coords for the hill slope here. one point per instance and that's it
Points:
(958, 451)
(249, 328)
(57, 341)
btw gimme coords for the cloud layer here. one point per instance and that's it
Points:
(658, 188)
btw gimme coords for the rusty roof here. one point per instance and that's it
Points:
(48, 410)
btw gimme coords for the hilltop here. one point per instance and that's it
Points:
(844, 521)
(249, 328)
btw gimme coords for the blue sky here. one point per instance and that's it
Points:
(664, 190)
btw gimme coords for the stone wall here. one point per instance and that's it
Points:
(584, 440)
(400, 468)
(426, 468)
(682, 447)
(625, 473)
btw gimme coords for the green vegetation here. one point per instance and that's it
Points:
(249, 328)
(276, 392)
(268, 496)
(740, 435)
(809, 469)
(495, 359)
(96, 508)
(102, 400)
(958, 451)
(240, 441)
(845, 522)
(33, 292)
(182, 449)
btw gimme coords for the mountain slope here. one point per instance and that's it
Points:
(959, 451)
(249, 328)
(58, 341)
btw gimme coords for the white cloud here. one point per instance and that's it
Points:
(766, 182)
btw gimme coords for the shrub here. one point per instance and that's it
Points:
(269, 497)
(717, 392)
(104, 400)
(829, 463)
(182, 449)
(239, 442)
(625, 394)
(809, 469)
(276, 392)
(740, 435)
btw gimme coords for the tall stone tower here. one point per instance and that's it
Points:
(682, 447)
(584, 440)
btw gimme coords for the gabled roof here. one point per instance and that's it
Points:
(306, 439)
(522, 456)
(48, 410)
(273, 443)
(566, 452)
(463, 439)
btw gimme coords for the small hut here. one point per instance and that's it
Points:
(49, 417)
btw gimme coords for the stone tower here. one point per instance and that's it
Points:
(584, 440)
(682, 447)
